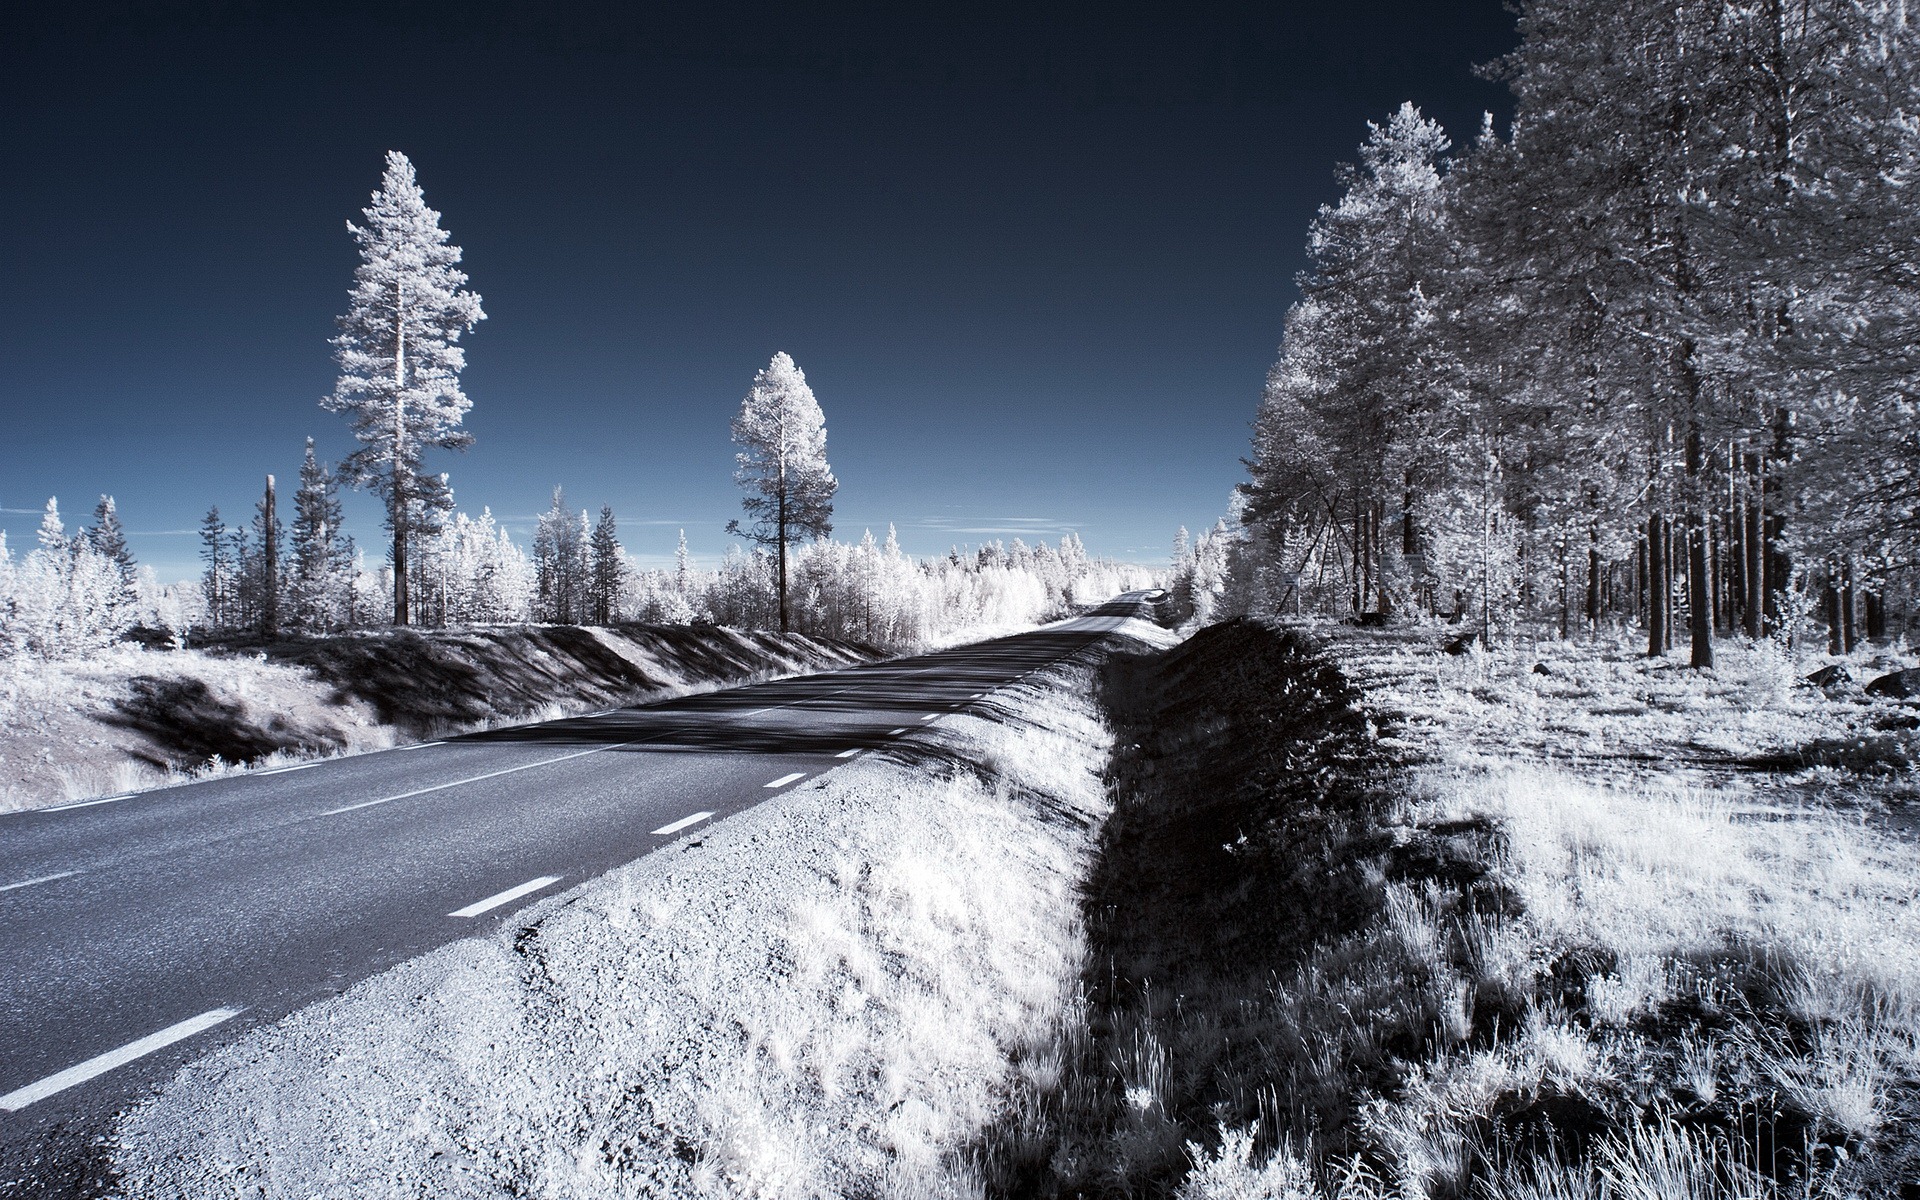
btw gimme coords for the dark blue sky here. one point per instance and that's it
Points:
(1033, 261)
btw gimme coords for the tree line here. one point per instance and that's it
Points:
(399, 388)
(1648, 357)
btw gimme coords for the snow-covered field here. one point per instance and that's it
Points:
(126, 718)
(829, 995)
(1706, 962)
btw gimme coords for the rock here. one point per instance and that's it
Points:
(148, 636)
(1900, 685)
(1542, 669)
(1375, 620)
(1830, 676)
(1461, 644)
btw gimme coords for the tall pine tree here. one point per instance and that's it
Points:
(399, 357)
(782, 435)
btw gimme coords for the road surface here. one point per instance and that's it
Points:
(139, 932)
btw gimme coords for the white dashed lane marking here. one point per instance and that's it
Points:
(682, 823)
(79, 1073)
(27, 883)
(784, 780)
(507, 897)
(848, 753)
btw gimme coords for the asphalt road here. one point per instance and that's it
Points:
(141, 932)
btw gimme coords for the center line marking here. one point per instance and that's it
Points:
(682, 823)
(9, 887)
(545, 762)
(848, 753)
(506, 897)
(18, 1099)
(784, 780)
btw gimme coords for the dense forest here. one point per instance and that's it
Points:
(1646, 358)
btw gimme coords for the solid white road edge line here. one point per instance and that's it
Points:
(682, 823)
(18, 1099)
(25, 883)
(84, 803)
(419, 746)
(284, 770)
(506, 897)
(842, 754)
(784, 780)
(545, 762)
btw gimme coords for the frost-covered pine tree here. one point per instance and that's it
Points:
(560, 562)
(400, 359)
(604, 567)
(322, 559)
(782, 435)
(109, 539)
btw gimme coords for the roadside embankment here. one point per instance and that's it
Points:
(131, 718)
(829, 995)
(1335, 954)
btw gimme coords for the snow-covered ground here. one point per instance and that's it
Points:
(1704, 970)
(829, 995)
(127, 718)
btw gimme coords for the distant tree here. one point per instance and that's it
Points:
(782, 436)
(109, 539)
(400, 360)
(216, 576)
(605, 567)
(321, 559)
(560, 562)
(682, 567)
(268, 535)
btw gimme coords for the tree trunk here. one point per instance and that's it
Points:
(1593, 581)
(1756, 559)
(1699, 585)
(1846, 606)
(781, 501)
(1656, 589)
(1779, 566)
(1836, 641)
(401, 511)
(270, 570)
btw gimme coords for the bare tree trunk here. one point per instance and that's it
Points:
(401, 512)
(1560, 545)
(1656, 588)
(781, 501)
(1779, 566)
(1699, 583)
(270, 570)
(1756, 564)
(1593, 581)
(1846, 606)
(1836, 641)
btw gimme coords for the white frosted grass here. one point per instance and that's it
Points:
(818, 1001)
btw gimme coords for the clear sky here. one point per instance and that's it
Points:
(1033, 261)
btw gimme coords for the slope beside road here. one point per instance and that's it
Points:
(144, 931)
